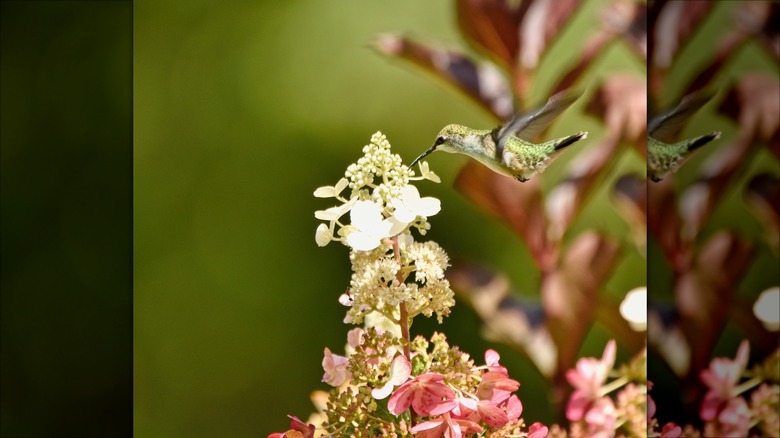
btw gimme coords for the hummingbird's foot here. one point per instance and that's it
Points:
(522, 178)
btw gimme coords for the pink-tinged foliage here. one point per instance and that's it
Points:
(587, 402)
(537, 430)
(335, 367)
(424, 393)
(514, 407)
(590, 374)
(671, 430)
(445, 426)
(496, 386)
(400, 370)
(491, 358)
(650, 405)
(492, 414)
(722, 378)
(735, 418)
(298, 429)
(601, 417)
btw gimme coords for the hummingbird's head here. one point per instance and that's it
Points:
(443, 140)
(449, 138)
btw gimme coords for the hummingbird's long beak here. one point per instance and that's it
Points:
(423, 155)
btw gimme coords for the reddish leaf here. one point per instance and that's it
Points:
(506, 319)
(770, 32)
(541, 23)
(755, 103)
(570, 293)
(750, 19)
(672, 23)
(704, 295)
(636, 33)
(607, 312)
(664, 223)
(621, 103)
(761, 19)
(630, 196)
(619, 18)
(763, 197)
(492, 25)
(483, 83)
(518, 204)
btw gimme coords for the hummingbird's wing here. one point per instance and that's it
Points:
(529, 126)
(667, 125)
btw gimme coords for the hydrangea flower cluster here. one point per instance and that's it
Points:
(439, 392)
(724, 410)
(383, 207)
(379, 282)
(382, 203)
(387, 384)
(592, 411)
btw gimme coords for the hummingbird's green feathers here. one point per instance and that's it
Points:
(526, 159)
(508, 148)
(665, 158)
(667, 125)
(529, 126)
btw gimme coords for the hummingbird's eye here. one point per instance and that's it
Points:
(440, 140)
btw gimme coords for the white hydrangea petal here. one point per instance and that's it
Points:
(383, 392)
(396, 226)
(428, 206)
(405, 239)
(410, 194)
(325, 192)
(334, 213)
(330, 214)
(427, 173)
(362, 241)
(385, 229)
(365, 215)
(404, 214)
(323, 235)
(341, 185)
(348, 205)
(400, 370)
(346, 230)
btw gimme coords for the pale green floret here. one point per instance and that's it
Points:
(378, 163)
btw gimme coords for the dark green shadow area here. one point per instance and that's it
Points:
(66, 166)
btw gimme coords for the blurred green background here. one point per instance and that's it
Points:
(241, 110)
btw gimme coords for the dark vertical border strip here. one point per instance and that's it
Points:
(66, 218)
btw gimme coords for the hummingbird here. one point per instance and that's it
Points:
(663, 155)
(507, 149)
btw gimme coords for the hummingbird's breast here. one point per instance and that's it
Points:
(481, 146)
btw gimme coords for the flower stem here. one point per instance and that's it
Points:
(404, 319)
(755, 381)
(613, 385)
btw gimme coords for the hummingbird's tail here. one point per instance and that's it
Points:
(566, 141)
(701, 141)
